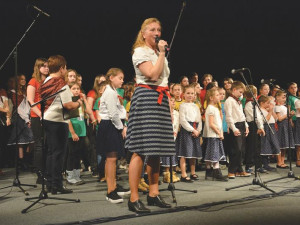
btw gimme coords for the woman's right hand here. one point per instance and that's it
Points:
(161, 46)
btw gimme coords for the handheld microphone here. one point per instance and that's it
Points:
(41, 11)
(234, 71)
(157, 39)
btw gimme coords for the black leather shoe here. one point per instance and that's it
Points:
(62, 190)
(158, 201)
(137, 207)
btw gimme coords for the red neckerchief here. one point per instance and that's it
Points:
(50, 87)
(235, 98)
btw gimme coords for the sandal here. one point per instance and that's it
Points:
(194, 177)
(282, 166)
(186, 179)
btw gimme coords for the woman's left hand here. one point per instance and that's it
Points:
(124, 132)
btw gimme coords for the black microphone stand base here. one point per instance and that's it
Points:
(17, 183)
(44, 195)
(255, 181)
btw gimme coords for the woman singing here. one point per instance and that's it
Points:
(150, 131)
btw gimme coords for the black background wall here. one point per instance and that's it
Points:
(213, 36)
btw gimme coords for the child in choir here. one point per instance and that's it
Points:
(76, 141)
(297, 131)
(269, 142)
(188, 140)
(256, 130)
(177, 92)
(226, 140)
(238, 126)
(285, 132)
(111, 132)
(213, 132)
(165, 161)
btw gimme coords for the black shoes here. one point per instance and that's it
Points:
(114, 197)
(122, 191)
(158, 201)
(137, 207)
(62, 190)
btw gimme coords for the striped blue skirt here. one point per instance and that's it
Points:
(150, 130)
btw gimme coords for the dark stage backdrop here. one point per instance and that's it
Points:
(213, 36)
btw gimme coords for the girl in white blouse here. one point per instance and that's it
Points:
(188, 140)
(213, 131)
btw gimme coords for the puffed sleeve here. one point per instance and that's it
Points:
(139, 56)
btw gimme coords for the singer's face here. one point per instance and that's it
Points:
(265, 90)
(152, 30)
(237, 92)
(75, 89)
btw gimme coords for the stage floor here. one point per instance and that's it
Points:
(212, 204)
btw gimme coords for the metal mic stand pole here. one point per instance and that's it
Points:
(171, 186)
(255, 181)
(44, 194)
(14, 52)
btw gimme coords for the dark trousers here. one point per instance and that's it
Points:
(36, 127)
(91, 143)
(253, 142)
(75, 148)
(57, 138)
(237, 151)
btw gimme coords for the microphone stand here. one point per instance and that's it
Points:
(171, 186)
(290, 173)
(43, 194)
(14, 52)
(256, 180)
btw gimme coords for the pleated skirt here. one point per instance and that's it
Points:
(188, 146)
(269, 142)
(297, 131)
(285, 134)
(150, 131)
(214, 150)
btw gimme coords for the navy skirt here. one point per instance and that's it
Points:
(285, 134)
(297, 131)
(109, 139)
(269, 142)
(150, 131)
(188, 146)
(214, 150)
(20, 133)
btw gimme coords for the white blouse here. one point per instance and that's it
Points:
(175, 122)
(249, 115)
(189, 112)
(272, 119)
(110, 107)
(281, 109)
(215, 112)
(145, 54)
(55, 111)
(234, 113)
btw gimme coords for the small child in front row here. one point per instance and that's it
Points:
(213, 132)
(188, 140)
(256, 130)
(238, 126)
(285, 132)
(269, 142)
(76, 141)
(165, 161)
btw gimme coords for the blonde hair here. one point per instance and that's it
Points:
(112, 72)
(39, 62)
(238, 85)
(140, 41)
(248, 92)
(279, 93)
